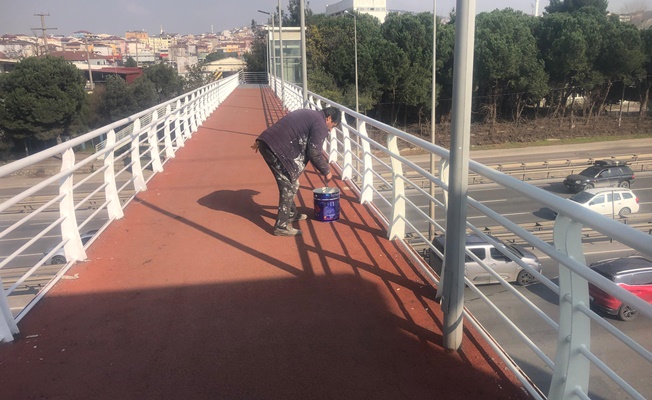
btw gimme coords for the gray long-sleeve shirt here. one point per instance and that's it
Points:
(298, 138)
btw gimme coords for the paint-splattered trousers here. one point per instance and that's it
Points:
(287, 189)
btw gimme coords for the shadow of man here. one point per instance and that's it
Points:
(239, 202)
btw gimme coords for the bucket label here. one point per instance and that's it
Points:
(327, 204)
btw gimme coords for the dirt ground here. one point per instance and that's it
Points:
(543, 129)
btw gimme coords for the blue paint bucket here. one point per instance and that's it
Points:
(327, 204)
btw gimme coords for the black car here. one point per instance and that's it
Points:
(603, 173)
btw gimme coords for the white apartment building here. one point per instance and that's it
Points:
(376, 8)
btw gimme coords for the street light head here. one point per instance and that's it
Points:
(264, 12)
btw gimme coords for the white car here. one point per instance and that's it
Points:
(608, 201)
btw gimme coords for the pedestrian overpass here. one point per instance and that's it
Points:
(184, 293)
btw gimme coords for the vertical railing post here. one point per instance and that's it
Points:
(113, 206)
(152, 137)
(332, 147)
(202, 106)
(169, 150)
(572, 368)
(136, 168)
(178, 129)
(397, 222)
(73, 249)
(347, 170)
(8, 326)
(193, 114)
(186, 118)
(367, 190)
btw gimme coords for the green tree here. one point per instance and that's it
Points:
(293, 17)
(320, 80)
(645, 81)
(569, 45)
(621, 59)
(167, 82)
(445, 47)
(331, 57)
(197, 76)
(117, 101)
(412, 33)
(130, 63)
(570, 6)
(506, 61)
(144, 95)
(42, 98)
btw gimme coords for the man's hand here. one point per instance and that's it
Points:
(255, 146)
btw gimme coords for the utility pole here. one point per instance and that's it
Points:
(43, 29)
(88, 60)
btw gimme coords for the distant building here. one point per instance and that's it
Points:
(641, 19)
(137, 35)
(183, 63)
(291, 53)
(6, 63)
(376, 8)
(229, 64)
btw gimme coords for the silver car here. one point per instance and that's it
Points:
(492, 257)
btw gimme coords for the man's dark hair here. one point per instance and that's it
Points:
(334, 113)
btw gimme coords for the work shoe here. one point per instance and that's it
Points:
(298, 217)
(289, 231)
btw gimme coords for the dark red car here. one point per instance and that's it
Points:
(631, 273)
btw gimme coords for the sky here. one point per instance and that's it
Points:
(201, 16)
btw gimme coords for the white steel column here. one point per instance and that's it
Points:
(452, 304)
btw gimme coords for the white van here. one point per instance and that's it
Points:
(608, 201)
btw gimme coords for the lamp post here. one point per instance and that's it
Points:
(357, 102)
(273, 52)
(431, 230)
(280, 46)
(304, 66)
(355, 45)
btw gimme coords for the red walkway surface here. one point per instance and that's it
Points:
(190, 296)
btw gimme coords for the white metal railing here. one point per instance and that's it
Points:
(129, 153)
(366, 163)
(381, 174)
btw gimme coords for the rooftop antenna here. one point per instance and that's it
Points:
(43, 29)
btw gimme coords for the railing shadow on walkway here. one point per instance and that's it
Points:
(190, 296)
